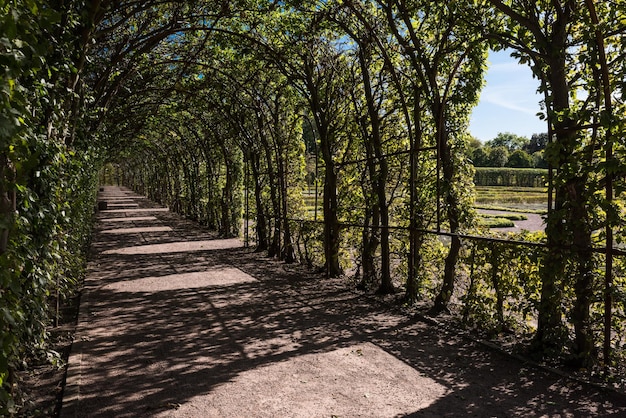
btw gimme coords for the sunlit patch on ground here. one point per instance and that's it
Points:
(179, 247)
(137, 230)
(119, 205)
(139, 210)
(360, 380)
(220, 276)
(130, 219)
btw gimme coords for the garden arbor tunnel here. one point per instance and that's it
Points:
(329, 133)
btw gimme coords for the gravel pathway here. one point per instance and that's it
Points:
(175, 322)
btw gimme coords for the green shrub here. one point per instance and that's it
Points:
(520, 177)
(495, 222)
(503, 291)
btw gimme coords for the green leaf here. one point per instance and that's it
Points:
(8, 317)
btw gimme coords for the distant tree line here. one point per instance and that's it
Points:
(510, 150)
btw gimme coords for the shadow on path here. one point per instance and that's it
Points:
(175, 322)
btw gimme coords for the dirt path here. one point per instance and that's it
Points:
(177, 323)
(534, 222)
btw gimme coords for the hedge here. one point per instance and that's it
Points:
(504, 176)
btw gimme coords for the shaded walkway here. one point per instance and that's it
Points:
(175, 322)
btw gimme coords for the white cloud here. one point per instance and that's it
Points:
(508, 67)
(512, 97)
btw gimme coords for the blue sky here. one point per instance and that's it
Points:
(509, 101)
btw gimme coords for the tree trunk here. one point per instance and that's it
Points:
(274, 236)
(225, 208)
(568, 222)
(370, 232)
(453, 215)
(331, 224)
(550, 328)
(583, 287)
(194, 190)
(227, 196)
(329, 204)
(319, 109)
(288, 253)
(386, 284)
(212, 219)
(261, 219)
(445, 294)
(369, 243)
(378, 172)
(416, 237)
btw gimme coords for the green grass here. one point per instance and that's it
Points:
(511, 209)
(511, 217)
(500, 220)
(496, 222)
(515, 189)
(518, 195)
(512, 199)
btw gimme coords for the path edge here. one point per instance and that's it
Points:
(70, 405)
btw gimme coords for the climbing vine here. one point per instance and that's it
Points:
(48, 178)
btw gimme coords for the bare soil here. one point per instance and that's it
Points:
(41, 382)
(175, 322)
